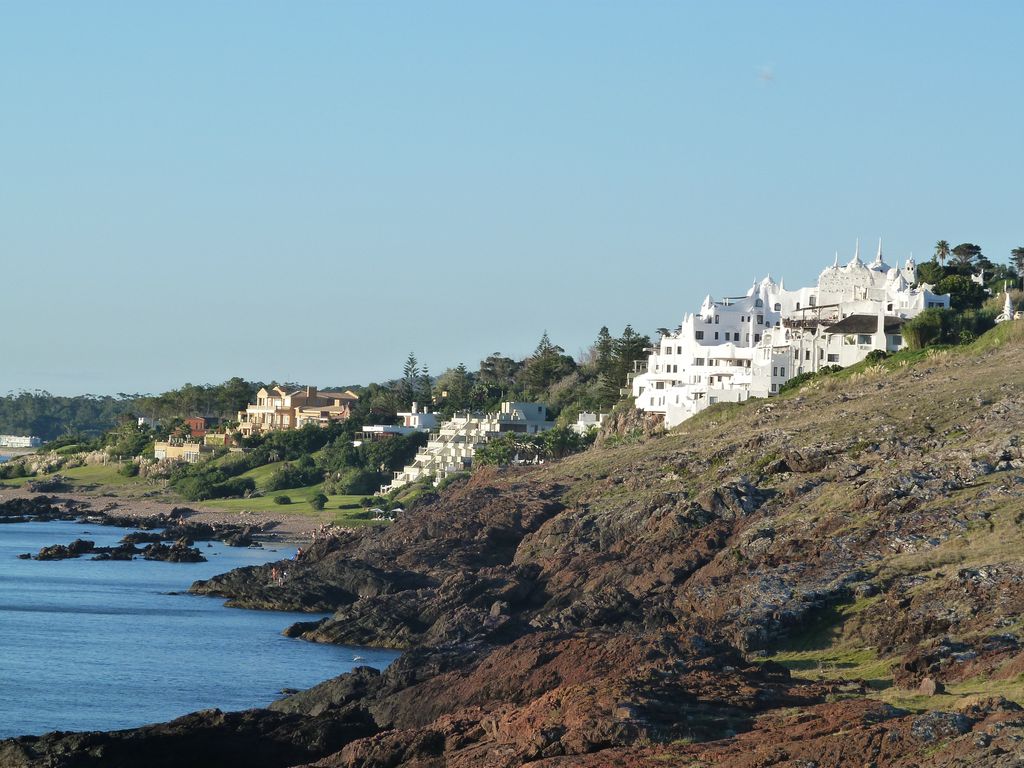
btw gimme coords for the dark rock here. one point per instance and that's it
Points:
(77, 548)
(179, 552)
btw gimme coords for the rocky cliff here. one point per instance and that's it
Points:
(829, 578)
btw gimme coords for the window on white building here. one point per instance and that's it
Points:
(659, 385)
(679, 350)
(699, 335)
(698, 361)
(775, 370)
(807, 354)
(757, 337)
(812, 301)
(759, 303)
(897, 339)
(760, 319)
(736, 336)
(747, 335)
(668, 350)
(833, 358)
(778, 307)
(782, 371)
(863, 338)
(716, 319)
(716, 335)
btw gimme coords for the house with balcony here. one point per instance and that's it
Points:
(278, 408)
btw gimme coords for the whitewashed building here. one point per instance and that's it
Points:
(588, 421)
(20, 441)
(418, 419)
(749, 346)
(452, 447)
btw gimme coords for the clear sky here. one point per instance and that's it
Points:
(309, 191)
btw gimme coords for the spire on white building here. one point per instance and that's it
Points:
(855, 261)
(1007, 313)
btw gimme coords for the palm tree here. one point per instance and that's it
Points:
(942, 251)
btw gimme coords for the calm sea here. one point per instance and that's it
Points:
(101, 645)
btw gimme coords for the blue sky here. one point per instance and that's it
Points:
(309, 191)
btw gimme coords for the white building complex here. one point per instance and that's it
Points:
(20, 441)
(749, 346)
(451, 448)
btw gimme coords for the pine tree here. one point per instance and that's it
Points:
(1017, 259)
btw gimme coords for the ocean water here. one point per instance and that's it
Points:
(98, 645)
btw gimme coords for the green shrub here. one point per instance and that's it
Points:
(295, 475)
(130, 469)
(318, 502)
(282, 499)
(452, 479)
(353, 482)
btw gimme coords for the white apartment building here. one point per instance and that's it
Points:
(452, 447)
(20, 441)
(749, 346)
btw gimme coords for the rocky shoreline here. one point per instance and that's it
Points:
(812, 582)
(176, 526)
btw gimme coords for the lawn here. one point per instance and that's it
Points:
(341, 509)
(97, 476)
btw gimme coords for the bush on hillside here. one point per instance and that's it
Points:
(130, 469)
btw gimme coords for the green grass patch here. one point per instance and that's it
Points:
(956, 694)
(340, 508)
(1004, 333)
(99, 475)
(824, 652)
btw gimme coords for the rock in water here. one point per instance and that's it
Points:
(76, 548)
(179, 552)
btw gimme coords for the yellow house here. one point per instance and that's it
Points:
(178, 449)
(278, 408)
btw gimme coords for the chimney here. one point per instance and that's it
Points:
(415, 407)
(880, 341)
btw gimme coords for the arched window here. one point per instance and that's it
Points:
(759, 303)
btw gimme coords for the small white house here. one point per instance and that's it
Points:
(588, 421)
